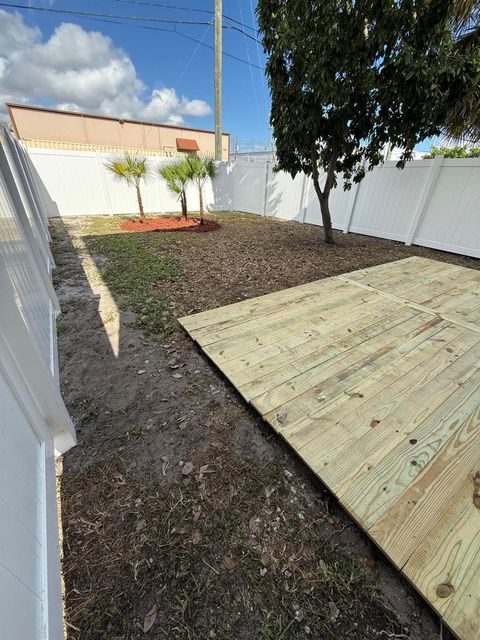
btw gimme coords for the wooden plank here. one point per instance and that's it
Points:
(449, 317)
(289, 301)
(265, 359)
(388, 471)
(246, 309)
(340, 421)
(367, 357)
(449, 543)
(385, 268)
(278, 329)
(315, 306)
(294, 362)
(450, 553)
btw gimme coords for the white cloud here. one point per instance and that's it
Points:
(81, 71)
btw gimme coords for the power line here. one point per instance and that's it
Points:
(192, 9)
(200, 42)
(173, 31)
(87, 14)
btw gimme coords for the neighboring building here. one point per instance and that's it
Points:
(51, 128)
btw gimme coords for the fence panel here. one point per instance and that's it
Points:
(430, 203)
(387, 199)
(451, 220)
(73, 183)
(33, 418)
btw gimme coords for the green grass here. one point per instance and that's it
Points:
(135, 273)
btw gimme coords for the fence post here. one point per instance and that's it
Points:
(424, 198)
(351, 204)
(303, 198)
(103, 180)
(265, 193)
(234, 173)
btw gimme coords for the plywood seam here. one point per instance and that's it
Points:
(413, 305)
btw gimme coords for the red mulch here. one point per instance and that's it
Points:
(170, 224)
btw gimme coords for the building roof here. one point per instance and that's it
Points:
(30, 107)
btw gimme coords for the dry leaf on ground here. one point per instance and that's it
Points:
(149, 619)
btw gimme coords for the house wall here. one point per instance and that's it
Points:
(37, 124)
(33, 419)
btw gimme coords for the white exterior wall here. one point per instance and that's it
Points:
(33, 419)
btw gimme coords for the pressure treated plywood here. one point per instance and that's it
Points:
(373, 378)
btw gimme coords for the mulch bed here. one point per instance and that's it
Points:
(170, 223)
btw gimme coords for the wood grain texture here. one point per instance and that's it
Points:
(373, 378)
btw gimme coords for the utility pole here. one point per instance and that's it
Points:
(218, 79)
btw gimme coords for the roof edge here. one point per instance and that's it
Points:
(83, 114)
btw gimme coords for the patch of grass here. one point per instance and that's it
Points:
(134, 272)
(276, 629)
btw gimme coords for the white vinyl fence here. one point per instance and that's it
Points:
(433, 203)
(33, 419)
(77, 183)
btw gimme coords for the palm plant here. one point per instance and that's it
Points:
(132, 170)
(176, 176)
(199, 170)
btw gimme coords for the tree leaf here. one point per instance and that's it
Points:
(149, 619)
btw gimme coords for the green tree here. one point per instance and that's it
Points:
(132, 170)
(462, 119)
(199, 171)
(347, 78)
(177, 176)
(453, 152)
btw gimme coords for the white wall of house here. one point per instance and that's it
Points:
(33, 419)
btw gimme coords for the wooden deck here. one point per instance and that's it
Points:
(373, 377)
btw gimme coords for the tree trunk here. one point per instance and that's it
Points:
(326, 219)
(140, 204)
(200, 197)
(324, 195)
(183, 202)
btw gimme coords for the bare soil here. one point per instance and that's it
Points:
(184, 516)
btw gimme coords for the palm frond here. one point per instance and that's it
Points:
(129, 168)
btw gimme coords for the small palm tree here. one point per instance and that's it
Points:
(132, 170)
(176, 176)
(199, 171)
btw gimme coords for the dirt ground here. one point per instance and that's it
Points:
(184, 516)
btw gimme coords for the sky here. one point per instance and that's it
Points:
(73, 62)
(147, 70)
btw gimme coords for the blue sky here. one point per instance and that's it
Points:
(74, 62)
(164, 59)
